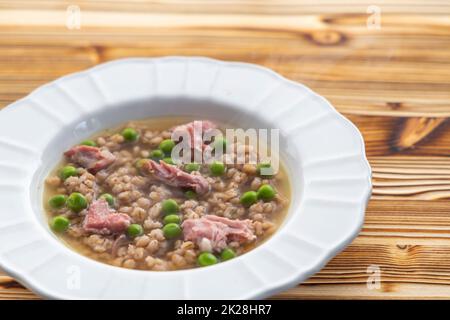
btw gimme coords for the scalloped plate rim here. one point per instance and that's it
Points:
(28, 280)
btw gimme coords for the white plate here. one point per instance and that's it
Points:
(324, 152)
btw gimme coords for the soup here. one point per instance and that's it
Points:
(120, 198)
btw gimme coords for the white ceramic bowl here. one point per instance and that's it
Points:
(324, 153)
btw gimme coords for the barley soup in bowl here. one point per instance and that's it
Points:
(100, 198)
(119, 198)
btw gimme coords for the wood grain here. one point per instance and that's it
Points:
(392, 82)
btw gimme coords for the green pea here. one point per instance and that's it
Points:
(206, 259)
(217, 168)
(89, 143)
(220, 143)
(190, 194)
(76, 202)
(60, 223)
(156, 155)
(170, 206)
(109, 198)
(249, 198)
(171, 230)
(140, 163)
(168, 160)
(166, 146)
(67, 171)
(129, 134)
(172, 218)
(266, 192)
(265, 166)
(227, 254)
(134, 230)
(58, 201)
(189, 167)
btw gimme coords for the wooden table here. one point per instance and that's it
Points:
(393, 82)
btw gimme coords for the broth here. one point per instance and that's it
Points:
(130, 228)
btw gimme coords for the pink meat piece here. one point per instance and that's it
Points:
(195, 130)
(92, 158)
(218, 230)
(101, 219)
(175, 177)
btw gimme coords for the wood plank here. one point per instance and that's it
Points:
(409, 241)
(267, 7)
(342, 72)
(410, 178)
(381, 137)
(393, 83)
(10, 289)
(392, 290)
